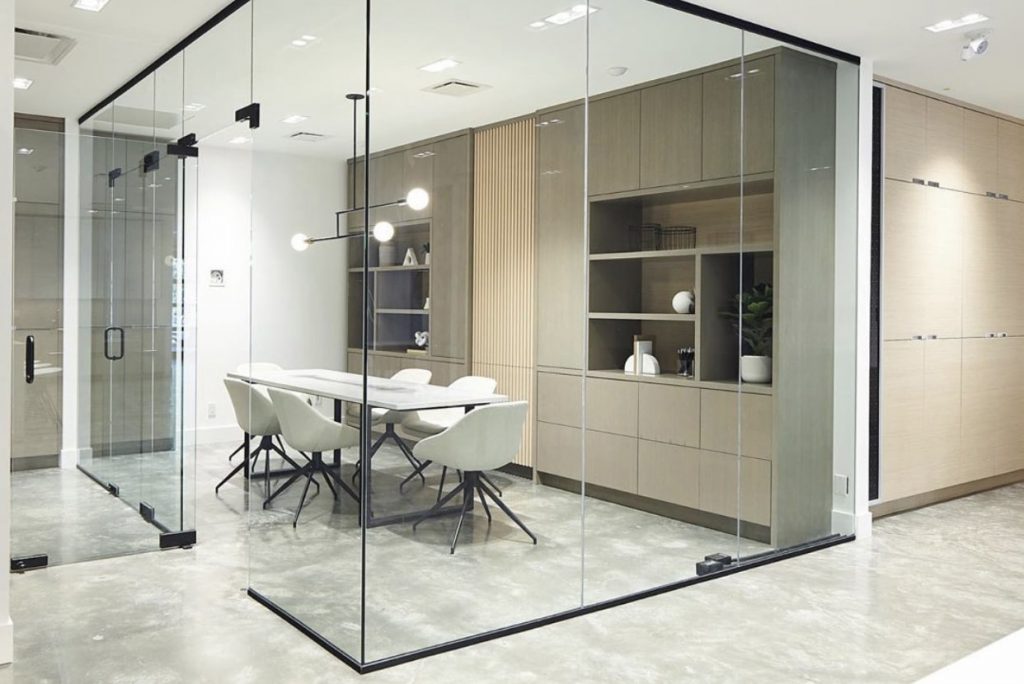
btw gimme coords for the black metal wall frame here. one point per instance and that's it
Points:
(363, 667)
(681, 5)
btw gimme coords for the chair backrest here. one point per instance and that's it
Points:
(253, 410)
(305, 428)
(257, 367)
(420, 376)
(475, 383)
(486, 438)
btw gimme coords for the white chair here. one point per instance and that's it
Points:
(378, 416)
(483, 439)
(307, 430)
(248, 369)
(423, 424)
(254, 413)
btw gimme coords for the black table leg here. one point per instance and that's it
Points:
(245, 454)
(337, 419)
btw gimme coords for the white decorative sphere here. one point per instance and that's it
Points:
(682, 302)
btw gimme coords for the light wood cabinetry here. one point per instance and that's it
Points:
(451, 202)
(981, 148)
(944, 163)
(750, 500)
(387, 178)
(560, 450)
(418, 172)
(724, 422)
(611, 461)
(993, 393)
(670, 133)
(669, 473)
(560, 239)
(906, 137)
(724, 96)
(559, 399)
(1010, 160)
(614, 151)
(993, 249)
(612, 406)
(922, 265)
(670, 414)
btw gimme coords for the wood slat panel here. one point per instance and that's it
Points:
(503, 263)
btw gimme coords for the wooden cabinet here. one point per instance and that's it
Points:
(560, 246)
(668, 473)
(1010, 160)
(560, 399)
(611, 461)
(418, 172)
(669, 414)
(560, 450)
(993, 394)
(980, 172)
(922, 266)
(722, 104)
(921, 392)
(670, 133)
(905, 135)
(451, 201)
(720, 416)
(993, 253)
(944, 161)
(612, 406)
(386, 182)
(736, 487)
(614, 151)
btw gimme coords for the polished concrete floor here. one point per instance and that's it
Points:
(930, 587)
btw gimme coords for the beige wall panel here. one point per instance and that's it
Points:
(668, 473)
(670, 414)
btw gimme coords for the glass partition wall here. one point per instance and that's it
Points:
(547, 305)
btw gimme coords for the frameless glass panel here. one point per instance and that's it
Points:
(305, 533)
(664, 262)
(464, 538)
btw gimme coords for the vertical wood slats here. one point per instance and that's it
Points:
(503, 263)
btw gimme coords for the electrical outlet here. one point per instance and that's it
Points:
(211, 410)
(840, 485)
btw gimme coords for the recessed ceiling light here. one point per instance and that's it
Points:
(440, 65)
(194, 107)
(538, 24)
(299, 42)
(22, 83)
(25, 150)
(89, 5)
(294, 119)
(950, 24)
(240, 140)
(617, 70)
(309, 38)
(572, 14)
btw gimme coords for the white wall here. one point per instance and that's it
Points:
(298, 299)
(6, 318)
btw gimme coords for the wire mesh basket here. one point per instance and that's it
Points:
(653, 237)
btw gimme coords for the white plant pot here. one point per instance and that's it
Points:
(756, 369)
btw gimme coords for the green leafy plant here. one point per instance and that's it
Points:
(754, 309)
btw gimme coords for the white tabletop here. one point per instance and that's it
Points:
(381, 392)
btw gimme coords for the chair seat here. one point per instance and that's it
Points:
(434, 422)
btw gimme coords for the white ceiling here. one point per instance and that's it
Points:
(525, 69)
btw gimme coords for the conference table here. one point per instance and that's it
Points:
(395, 395)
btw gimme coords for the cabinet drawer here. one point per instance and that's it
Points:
(612, 406)
(559, 450)
(559, 399)
(718, 423)
(668, 473)
(670, 414)
(718, 491)
(611, 461)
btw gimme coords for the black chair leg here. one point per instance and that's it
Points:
(302, 501)
(418, 472)
(483, 502)
(440, 504)
(508, 512)
(493, 486)
(288, 483)
(235, 452)
(466, 501)
(440, 487)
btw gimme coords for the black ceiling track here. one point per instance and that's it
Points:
(184, 147)
(250, 113)
(681, 5)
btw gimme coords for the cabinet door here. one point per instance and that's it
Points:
(993, 393)
(450, 247)
(612, 406)
(614, 144)
(670, 414)
(903, 457)
(980, 166)
(905, 134)
(418, 172)
(993, 251)
(670, 133)
(668, 473)
(719, 420)
(560, 247)
(721, 121)
(611, 461)
(922, 264)
(945, 150)
(559, 450)
(1011, 160)
(386, 180)
(721, 475)
(356, 193)
(560, 399)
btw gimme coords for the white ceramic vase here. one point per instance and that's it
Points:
(756, 369)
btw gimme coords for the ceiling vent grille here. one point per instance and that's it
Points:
(456, 88)
(39, 47)
(305, 136)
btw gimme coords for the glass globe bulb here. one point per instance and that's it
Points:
(300, 242)
(383, 231)
(417, 199)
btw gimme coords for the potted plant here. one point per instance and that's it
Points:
(751, 317)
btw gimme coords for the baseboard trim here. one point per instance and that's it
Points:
(859, 524)
(6, 642)
(909, 503)
(216, 434)
(70, 458)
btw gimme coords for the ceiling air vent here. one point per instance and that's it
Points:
(39, 47)
(456, 88)
(306, 136)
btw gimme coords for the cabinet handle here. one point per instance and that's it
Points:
(933, 184)
(1004, 196)
(917, 181)
(991, 194)
(932, 337)
(917, 337)
(30, 359)
(1002, 334)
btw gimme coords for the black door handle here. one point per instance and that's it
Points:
(106, 344)
(30, 359)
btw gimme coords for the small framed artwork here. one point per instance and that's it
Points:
(216, 277)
